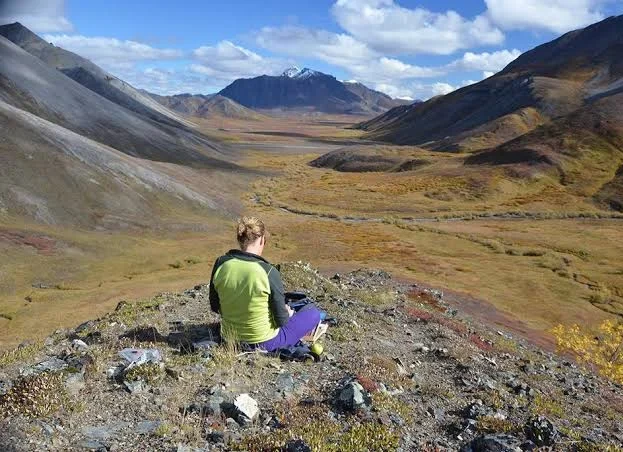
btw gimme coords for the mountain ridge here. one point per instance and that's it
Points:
(307, 89)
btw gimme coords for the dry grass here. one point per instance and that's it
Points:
(540, 271)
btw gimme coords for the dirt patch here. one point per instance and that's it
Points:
(43, 244)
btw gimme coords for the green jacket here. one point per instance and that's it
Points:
(248, 293)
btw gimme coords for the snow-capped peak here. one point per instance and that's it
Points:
(291, 72)
(297, 73)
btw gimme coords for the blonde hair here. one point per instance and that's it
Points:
(249, 229)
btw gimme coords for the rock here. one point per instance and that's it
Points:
(419, 347)
(114, 372)
(493, 443)
(135, 386)
(541, 431)
(137, 356)
(437, 413)
(51, 365)
(353, 397)
(90, 444)
(246, 408)
(215, 436)
(74, 383)
(204, 344)
(285, 383)
(79, 344)
(232, 424)
(103, 432)
(5, 385)
(147, 427)
(297, 445)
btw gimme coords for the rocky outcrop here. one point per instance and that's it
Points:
(402, 370)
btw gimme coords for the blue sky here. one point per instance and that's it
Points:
(406, 48)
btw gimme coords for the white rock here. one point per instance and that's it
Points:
(247, 407)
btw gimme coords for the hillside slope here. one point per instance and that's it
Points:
(402, 370)
(54, 176)
(552, 80)
(584, 148)
(90, 75)
(207, 106)
(28, 83)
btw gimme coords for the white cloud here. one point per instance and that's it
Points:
(491, 62)
(442, 88)
(355, 57)
(227, 61)
(111, 52)
(167, 82)
(333, 48)
(37, 15)
(392, 29)
(558, 16)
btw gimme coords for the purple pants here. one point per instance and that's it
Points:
(301, 323)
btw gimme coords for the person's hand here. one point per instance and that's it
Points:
(290, 311)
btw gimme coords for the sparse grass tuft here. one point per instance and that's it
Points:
(544, 406)
(380, 297)
(492, 424)
(20, 354)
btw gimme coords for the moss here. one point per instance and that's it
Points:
(35, 396)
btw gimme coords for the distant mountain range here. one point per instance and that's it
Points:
(206, 106)
(87, 148)
(306, 89)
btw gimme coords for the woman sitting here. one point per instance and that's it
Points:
(247, 291)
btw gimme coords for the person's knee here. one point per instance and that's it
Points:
(314, 315)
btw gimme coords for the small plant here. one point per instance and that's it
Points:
(544, 406)
(492, 424)
(150, 373)
(35, 396)
(384, 402)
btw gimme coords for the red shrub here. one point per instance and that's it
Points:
(367, 383)
(454, 325)
(480, 343)
(419, 314)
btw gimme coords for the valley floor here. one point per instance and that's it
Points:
(525, 255)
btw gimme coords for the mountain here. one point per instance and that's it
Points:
(206, 106)
(548, 82)
(90, 75)
(30, 84)
(76, 157)
(307, 89)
